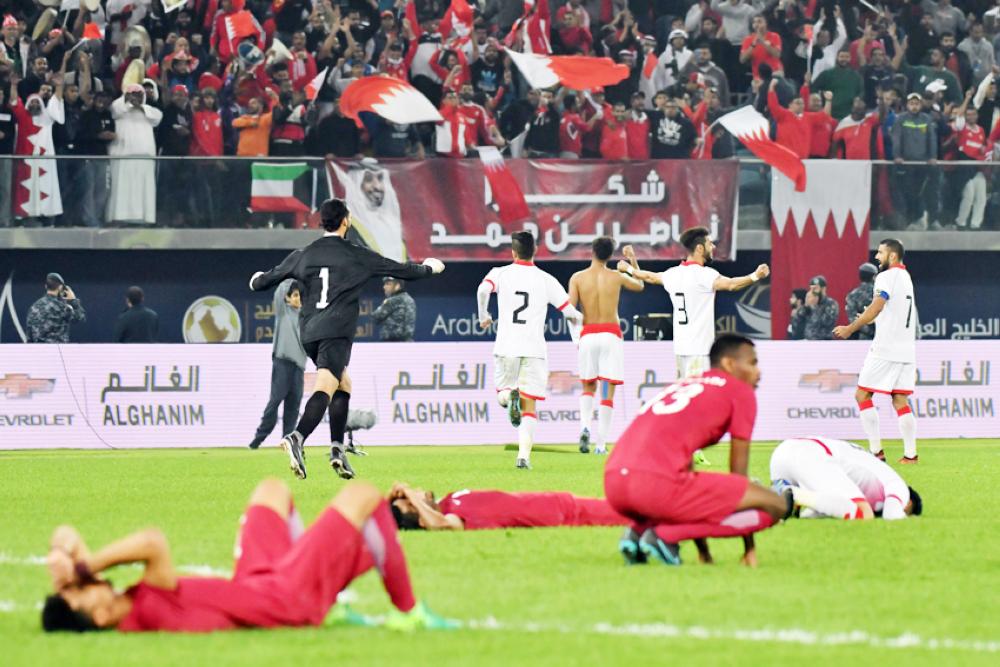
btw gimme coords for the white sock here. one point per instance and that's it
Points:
(604, 414)
(908, 428)
(869, 422)
(526, 435)
(828, 504)
(586, 409)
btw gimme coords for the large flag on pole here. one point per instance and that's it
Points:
(753, 131)
(390, 98)
(457, 18)
(576, 72)
(274, 187)
(506, 193)
(822, 230)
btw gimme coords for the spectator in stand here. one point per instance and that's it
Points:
(392, 139)
(572, 127)
(302, 66)
(859, 298)
(823, 124)
(914, 139)
(829, 45)
(879, 74)
(979, 52)
(174, 141)
(8, 133)
(736, 15)
(10, 44)
(614, 137)
(209, 191)
(920, 77)
(573, 38)
(487, 73)
(449, 134)
(674, 59)
(673, 134)
(66, 138)
(871, 39)
(817, 315)
(543, 132)
(38, 75)
(795, 124)
(956, 61)
(133, 182)
(637, 129)
(760, 47)
(972, 144)
(944, 16)
(711, 74)
(254, 128)
(595, 106)
(987, 102)
(843, 82)
(334, 136)
(480, 130)
(921, 36)
(136, 324)
(288, 119)
(859, 135)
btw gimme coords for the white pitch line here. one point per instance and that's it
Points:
(781, 635)
(200, 570)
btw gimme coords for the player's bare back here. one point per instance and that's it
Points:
(598, 289)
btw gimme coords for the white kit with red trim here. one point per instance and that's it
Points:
(524, 294)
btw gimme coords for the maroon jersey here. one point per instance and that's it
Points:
(480, 510)
(202, 604)
(688, 415)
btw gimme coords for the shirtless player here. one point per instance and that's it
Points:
(595, 291)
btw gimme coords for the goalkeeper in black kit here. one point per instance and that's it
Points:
(333, 272)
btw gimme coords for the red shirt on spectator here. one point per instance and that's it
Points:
(592, 137)
(206, 134)
(571, 129)
(476, 127)
(759, 55)
(301, 70)
(576, 39)
(859, 139)
(614, 140)
(458, 81)
(637, 132)
(699, 118)
(972, 142)
(871, 46)
(794, 132)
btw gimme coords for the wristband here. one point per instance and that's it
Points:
(630, 270)
(754, 278)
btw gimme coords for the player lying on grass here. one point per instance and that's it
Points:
(648, 476)
(282, 576)
(835, 478)
(416, 509)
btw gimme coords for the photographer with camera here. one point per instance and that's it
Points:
(49, 317)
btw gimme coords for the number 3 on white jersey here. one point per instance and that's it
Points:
(673, 399)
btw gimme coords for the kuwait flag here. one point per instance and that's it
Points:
(576, 72)
(275, 186)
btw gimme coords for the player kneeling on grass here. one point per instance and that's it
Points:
(649, 479)
(416, 509)
(835, 478)
(282, 576)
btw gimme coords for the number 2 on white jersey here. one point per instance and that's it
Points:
(673, 399)
(324, 275)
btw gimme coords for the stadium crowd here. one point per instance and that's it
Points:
(911, 81)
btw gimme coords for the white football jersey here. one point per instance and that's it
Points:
(693, 297)
(895, 327)
(875, 479)
(524, 294)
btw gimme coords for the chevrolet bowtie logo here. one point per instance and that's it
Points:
(20, 385)
(829, 380)
(563, 382)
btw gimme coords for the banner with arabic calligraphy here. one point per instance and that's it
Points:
(125, 396)
(444, 208)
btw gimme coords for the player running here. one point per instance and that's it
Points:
(333, 272)
(601, 352)
(521, 369)
(282, 576)
(891, 365)
(691, 287)
(416, 509)
(648, 476)
(838, 479)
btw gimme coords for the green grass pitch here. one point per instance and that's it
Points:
(921, 591)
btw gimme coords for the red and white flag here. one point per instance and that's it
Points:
(312, 88)
(576, 72)
(390, 98)
(458, 18)
(506, 193)
(753, 130)
(239, 25)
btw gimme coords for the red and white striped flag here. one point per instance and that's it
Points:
(312, 88)
(507, 194)
(388, 97)
(457, 17)
(753, 130)
(576, 72)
